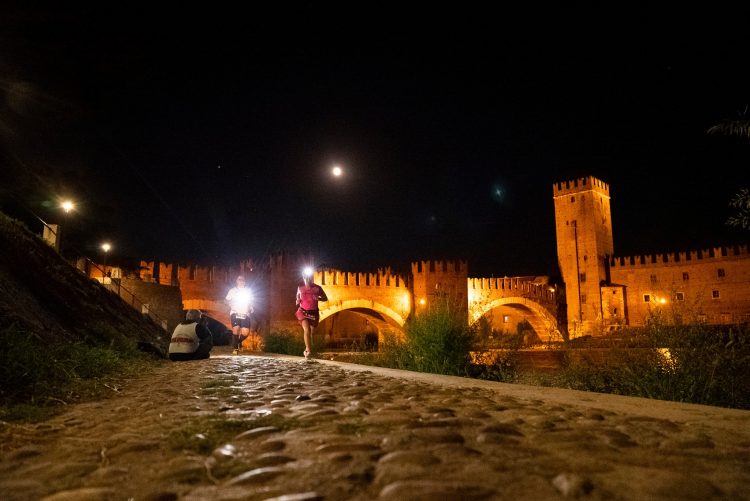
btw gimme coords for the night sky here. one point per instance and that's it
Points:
(208, 135)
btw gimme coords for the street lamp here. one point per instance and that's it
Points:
(68, 206)
(106, 246)
(337, 171)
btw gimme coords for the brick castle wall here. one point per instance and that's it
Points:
(711, 285)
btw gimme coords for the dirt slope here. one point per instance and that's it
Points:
(42, 294)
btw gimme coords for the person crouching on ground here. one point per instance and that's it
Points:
(191, 340)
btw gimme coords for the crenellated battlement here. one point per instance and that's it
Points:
(688, 257)
(439, 266)
(383, 278)
(580, 184)
(525, 285)
(171, 273)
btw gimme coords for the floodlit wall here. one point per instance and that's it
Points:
(709, 285)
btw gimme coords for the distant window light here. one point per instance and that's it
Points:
(679, 296)
(715, 294)
(685, 275)
(647, 298)
(653, 279)
(506, 319)
(721, 272)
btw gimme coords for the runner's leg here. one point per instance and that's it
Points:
(306, 334)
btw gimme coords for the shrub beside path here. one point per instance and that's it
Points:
(262, 427)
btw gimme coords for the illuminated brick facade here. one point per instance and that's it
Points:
(604, 291)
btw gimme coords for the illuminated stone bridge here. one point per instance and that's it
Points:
(370, 305)
(531, 299)
(382, 302)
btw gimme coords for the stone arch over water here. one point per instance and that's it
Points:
(537, 315)
(356, 321)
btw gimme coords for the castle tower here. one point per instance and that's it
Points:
(583, 227)
(436, 281)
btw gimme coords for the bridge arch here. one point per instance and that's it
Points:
(359, 322)
(363, 304)
(544, 324)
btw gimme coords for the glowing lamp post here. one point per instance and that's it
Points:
(52, 233)
(106, 247)
(68, 206)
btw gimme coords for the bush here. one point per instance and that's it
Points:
(285, 342)
(499, 365)
(437, 341)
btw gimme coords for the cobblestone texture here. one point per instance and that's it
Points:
(314, 430)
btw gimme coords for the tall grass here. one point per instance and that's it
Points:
(437, 341)
(36, 378)
(694, 363)
(685, 363)
(285, 342)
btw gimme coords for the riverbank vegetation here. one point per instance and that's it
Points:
(692, 363)
(40, 378)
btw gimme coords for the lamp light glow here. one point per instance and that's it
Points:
(243, 299)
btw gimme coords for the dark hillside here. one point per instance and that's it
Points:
(43, 295)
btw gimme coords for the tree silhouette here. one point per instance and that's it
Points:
(741, 201)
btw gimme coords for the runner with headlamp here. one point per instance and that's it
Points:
(308, 316)
(240, 301)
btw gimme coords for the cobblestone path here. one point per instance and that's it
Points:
(282, 428)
